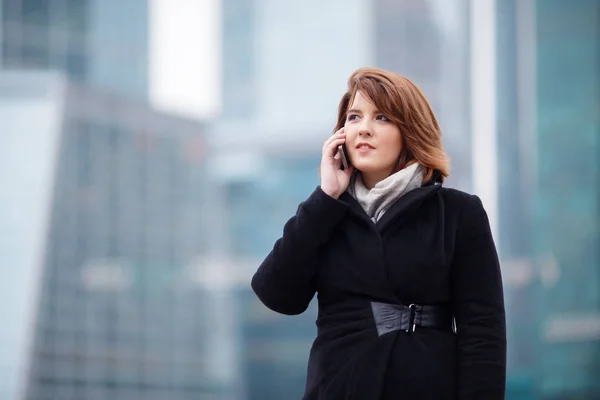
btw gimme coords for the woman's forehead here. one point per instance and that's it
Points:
(362, 99)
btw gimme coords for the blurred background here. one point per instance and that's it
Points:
(151, 151)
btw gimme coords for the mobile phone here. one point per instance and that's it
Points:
(344, 156)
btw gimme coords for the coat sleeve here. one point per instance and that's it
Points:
(285, 281)
(478, 299)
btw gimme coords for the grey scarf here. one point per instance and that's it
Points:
(376, 201)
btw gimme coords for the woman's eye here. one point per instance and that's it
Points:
(352, 117)
(383, 118)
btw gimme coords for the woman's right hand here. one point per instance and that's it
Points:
(334, 180)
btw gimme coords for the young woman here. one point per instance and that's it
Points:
(409, 288)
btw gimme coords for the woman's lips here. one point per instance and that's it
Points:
(364, 147)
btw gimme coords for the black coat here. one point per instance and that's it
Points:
(432, 247)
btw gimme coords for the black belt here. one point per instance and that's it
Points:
(396, 317)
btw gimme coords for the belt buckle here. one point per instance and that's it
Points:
(412, 326)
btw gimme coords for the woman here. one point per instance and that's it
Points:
(409, 287)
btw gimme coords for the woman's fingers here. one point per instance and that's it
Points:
(332, 148)
(339, 134)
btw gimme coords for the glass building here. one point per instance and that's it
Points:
(102, 43)
(275, 349)
(238, 59)
(566, 202)
(107, 205)
(28, 150)
(285, 64)
(549, 206)
(265, 175)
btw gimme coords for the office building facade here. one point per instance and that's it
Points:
(104, 44)
(549, 229)
(117, 230)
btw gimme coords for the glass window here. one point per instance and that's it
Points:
(77, 15)
(76, 65)
(11, 54)
(35, 12)
(35, 56)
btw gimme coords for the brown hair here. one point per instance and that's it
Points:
(401, 101)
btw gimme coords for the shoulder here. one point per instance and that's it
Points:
(460, 201)
(466, 208)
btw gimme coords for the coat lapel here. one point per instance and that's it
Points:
(356, 208)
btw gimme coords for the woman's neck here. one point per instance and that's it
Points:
(373, 178)
(370, 179)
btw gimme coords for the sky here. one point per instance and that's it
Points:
(185, 56)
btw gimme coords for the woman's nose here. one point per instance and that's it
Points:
(364, 131)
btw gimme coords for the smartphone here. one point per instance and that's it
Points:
(344, 156)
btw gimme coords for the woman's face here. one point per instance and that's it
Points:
(373, 141)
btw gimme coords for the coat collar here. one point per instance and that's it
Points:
(404, 205)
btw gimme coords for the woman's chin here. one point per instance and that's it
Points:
(366, 168)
